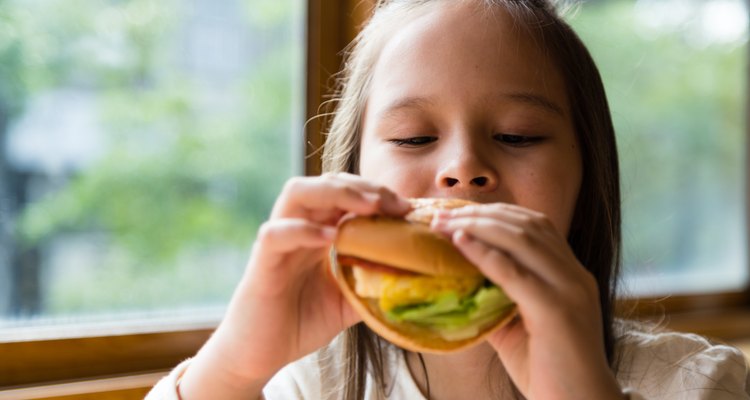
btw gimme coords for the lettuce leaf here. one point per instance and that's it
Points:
(452, 317)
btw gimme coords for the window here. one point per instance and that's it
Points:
(144, 143)
(300, 39)
(675, 74)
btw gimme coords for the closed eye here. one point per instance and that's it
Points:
(517, 140)
(415, 141)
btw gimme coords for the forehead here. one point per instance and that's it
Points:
(463, 50)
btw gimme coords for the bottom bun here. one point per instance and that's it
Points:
(408, 336)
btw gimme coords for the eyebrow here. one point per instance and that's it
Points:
(406, 103)
(535, 100)
(529, 98)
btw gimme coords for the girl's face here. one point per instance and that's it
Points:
(462, 104)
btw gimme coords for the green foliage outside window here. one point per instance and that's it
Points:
(676, 86)
(192, 162)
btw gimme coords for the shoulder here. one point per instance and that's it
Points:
(320, 375)
(300, 379)
(323, 375)
(665, 364)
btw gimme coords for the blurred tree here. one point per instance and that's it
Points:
(192, 163)
(19, 268)
(677, 100)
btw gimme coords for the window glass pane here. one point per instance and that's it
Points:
(675, 76)
(142, 144)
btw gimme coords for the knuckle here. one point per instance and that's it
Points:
(474, 224)
(329, 176)
(346, 190)
(523, 237)
(584, 291)
(330, 180)
(293, 184)
(385, 192)
(539, 221)
(527, 220)
(501, 266)
(505, 268)
(471, 209)
(265, 232)
(545, 222)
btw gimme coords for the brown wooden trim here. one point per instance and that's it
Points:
(724, 325)
(123, 394)
(41, 361)
(721, 316)
(648, 307)
(120, 387)
(332, 24)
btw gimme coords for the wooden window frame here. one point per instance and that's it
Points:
(80, 364)
(61, 365)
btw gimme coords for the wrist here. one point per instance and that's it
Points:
(201, 381)
(210, 376)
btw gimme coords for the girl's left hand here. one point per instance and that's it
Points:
(555, 350)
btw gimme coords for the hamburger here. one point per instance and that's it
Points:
(410, 284)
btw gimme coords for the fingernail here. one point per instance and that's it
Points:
(403, 203)
(438, 221)
(328, 232)
(460, 236)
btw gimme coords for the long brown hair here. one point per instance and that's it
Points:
(595, 231)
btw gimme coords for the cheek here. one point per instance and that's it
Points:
(568, 189)
(375, 164)
(406, 177)
(371, 156)
(400, 178)
(553, 191)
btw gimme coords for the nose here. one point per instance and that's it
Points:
(467, 169)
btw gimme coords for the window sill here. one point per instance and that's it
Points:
(119, 387)
(33, 357)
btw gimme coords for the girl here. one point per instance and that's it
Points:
(495, 101)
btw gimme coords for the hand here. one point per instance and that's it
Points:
(555, 350)
(287, 305)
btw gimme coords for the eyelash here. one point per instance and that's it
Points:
(517, 140)
(414, 141)
(506, 139)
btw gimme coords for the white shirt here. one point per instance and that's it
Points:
(652, 365)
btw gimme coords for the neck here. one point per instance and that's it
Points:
(480, 372)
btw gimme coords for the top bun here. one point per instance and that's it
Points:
(424, 209)
(407, 243)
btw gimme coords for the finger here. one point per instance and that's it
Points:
(520, 284)
(525, 247)
(510, 342)
(516, 215)
(332, 298)
(536, 301)
(391, 202)
(286, 235)
(483, 209)
(336, 193)
(539, 299)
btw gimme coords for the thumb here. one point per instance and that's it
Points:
(511, 341)
(347, 313)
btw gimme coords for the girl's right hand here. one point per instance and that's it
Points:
(287, 305)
